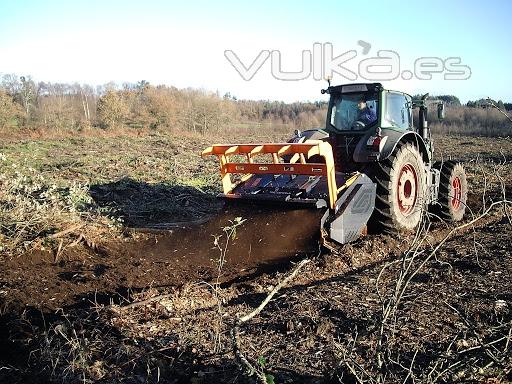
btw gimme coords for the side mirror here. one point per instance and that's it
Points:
(440, 111)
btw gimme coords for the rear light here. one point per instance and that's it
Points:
(376, 143)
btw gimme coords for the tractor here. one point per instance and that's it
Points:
(370, 167)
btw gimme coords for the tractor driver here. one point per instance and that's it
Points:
(366, 115)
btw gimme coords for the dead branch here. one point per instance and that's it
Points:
(441, 243)
(144, 302)
(235, 331)
(491, 103)
(66, 231)
(407, 273)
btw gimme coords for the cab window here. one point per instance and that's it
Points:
(398, 111)
(354, 111)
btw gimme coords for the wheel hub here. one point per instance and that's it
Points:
(407, 189)
(457, 193)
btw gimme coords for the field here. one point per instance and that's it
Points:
(119, 264)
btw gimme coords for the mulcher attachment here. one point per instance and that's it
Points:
(353, 210)
(267, 178)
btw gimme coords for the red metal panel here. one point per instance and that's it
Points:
(276, 169)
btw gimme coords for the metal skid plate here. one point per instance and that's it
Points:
(353, 210)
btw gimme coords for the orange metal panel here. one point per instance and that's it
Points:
(299, 151)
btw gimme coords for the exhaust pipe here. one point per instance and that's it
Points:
(423, 118)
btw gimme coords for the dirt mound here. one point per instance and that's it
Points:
(264, 239)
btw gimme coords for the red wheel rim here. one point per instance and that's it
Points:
(407, 188)
(457, 193)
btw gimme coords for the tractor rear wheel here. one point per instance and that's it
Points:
(401, 190)
(453, 191)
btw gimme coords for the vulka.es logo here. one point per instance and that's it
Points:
(320, 63)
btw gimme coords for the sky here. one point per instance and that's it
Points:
(183, 44)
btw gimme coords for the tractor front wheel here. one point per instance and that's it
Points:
(401, 190)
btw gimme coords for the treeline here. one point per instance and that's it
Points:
(453, 101)
(449, 100)
(486, 103)
(25, 103)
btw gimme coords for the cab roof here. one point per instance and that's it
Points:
(358, 87)
(351, 88)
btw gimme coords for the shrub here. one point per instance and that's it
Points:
(112, 110)
(9, 110)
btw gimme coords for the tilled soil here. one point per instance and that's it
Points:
(138, 319)
(264, 239)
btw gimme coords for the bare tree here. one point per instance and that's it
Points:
(28, 93)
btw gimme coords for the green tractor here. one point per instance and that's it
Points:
(371, 166)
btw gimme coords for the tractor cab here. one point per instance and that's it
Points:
(362, 107)
(365, 122)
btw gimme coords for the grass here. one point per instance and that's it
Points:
(466, 121)
(33, 207)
